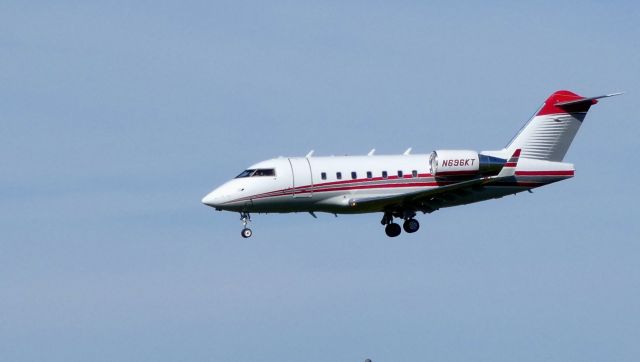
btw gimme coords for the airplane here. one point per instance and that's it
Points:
(400, 186)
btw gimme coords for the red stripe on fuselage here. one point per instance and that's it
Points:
(544, 173)
(378, 186)
(344, 184)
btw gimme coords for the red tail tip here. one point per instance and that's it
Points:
(563, 96)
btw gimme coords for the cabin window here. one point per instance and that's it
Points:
(323, 175)
(339, 175)
(257, 172)
(384, 174)
(354, 175)
(399, 173)
(414, 173)
(369, 174)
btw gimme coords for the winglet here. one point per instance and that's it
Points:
(509, 168)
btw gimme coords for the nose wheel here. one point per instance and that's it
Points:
(245, 218)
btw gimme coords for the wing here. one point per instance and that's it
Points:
(423, 199)
(431, 199)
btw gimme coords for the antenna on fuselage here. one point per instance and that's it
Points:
(373, 150)
(309, 154)
(407, 152)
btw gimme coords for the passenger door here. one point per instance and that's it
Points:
(302, 179)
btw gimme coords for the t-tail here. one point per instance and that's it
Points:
(549, 133)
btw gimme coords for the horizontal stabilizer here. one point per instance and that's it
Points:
(590, 100)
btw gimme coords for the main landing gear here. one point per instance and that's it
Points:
(392, 229)
(245, 218)
(411, 225)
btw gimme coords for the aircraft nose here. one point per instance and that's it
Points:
(211, 199)
(220, 197)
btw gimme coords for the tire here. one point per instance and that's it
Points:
(392, 230)
(246, 233)
(411, 225)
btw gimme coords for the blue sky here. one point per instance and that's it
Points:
(117, 118)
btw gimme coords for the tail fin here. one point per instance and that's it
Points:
(549, 133)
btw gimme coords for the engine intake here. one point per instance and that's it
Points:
(448, 163)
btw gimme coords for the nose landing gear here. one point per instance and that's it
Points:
(245, 218)
(246, 233)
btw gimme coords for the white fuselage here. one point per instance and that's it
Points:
(400, 186)
(326, 184)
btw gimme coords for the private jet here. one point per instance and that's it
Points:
(401, 186)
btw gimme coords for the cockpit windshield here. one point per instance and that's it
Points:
(264, 172)
(245, 173)
(257, 172)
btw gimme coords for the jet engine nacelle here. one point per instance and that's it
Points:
(463, 163)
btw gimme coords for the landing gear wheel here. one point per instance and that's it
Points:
(246, 233)
(411, 225)
(392, 230)
(245, 218)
